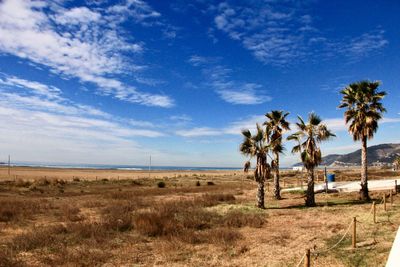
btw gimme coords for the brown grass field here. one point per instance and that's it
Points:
(54, 217)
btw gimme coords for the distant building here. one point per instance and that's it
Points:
(298, 168)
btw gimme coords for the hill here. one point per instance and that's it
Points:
(383, 154)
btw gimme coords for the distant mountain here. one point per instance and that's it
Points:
(383, 154)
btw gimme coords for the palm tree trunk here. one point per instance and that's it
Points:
(260, 194)
(277, 188)
(310, 198)
(364, 169)
(259, 174)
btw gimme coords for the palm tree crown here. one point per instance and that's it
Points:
(308, 137)
(256, 146)
(253, 145)
(364, 108)
(277, 124)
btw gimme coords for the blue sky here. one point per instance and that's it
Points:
(113, 82)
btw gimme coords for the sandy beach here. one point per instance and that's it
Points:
(33, 173)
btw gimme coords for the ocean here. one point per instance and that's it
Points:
(119, 167)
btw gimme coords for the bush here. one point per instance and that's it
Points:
(214, 199)
(72, 213)
(76, 179)
(198, 183)
(42, 182)
(210, 183)
(239, 219)
(118, 217)
(161, 184)
(7, 258)
(15, 210)
(22, 183)
(38, 237)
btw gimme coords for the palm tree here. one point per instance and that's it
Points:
(257, 146)
(363, 111)
(308, 137)
(276, 124)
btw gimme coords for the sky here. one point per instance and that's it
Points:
(113, 82)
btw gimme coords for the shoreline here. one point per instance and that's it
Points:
(35, 173)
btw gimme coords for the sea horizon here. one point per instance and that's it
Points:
(117, 166)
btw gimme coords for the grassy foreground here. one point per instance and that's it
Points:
(197, 220)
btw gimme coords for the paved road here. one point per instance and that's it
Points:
(373, 185)
(394, 256)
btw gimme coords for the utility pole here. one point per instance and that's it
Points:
(9, 165)
(326, 182)
(150, 166)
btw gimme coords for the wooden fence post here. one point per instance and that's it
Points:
(374, 208)
(384, 201)
(307, 258)
(354, 239)
(391, 198)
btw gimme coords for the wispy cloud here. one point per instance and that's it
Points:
(30, 108)
(249, 122)
(281, 33)
(358, 47)
(242, 94)
(234, 128)
(78, 42)
(232, 91)
(275, 33)
(199, 131)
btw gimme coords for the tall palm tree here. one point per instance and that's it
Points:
(363, 111)
(257, 146)
(310, 134)
(276, 124)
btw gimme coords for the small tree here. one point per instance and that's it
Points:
(310, 134)
(256, 146)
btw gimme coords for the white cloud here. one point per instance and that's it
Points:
(281, 33)
(234, 128)
(181, 118)
(199, 132)
(358, 47)
(232, 91)
(335, 124)
(249, 122)
(197, 60)
(338, 124)
(39, 88)
(246, 95)
(270, 31)
(139, 10)
(76, 16)
(28, 109)
(77, 42)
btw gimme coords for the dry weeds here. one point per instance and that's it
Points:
(123, 222)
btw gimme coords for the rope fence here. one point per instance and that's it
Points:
(306, 258)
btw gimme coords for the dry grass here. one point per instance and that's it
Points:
(123, 222)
